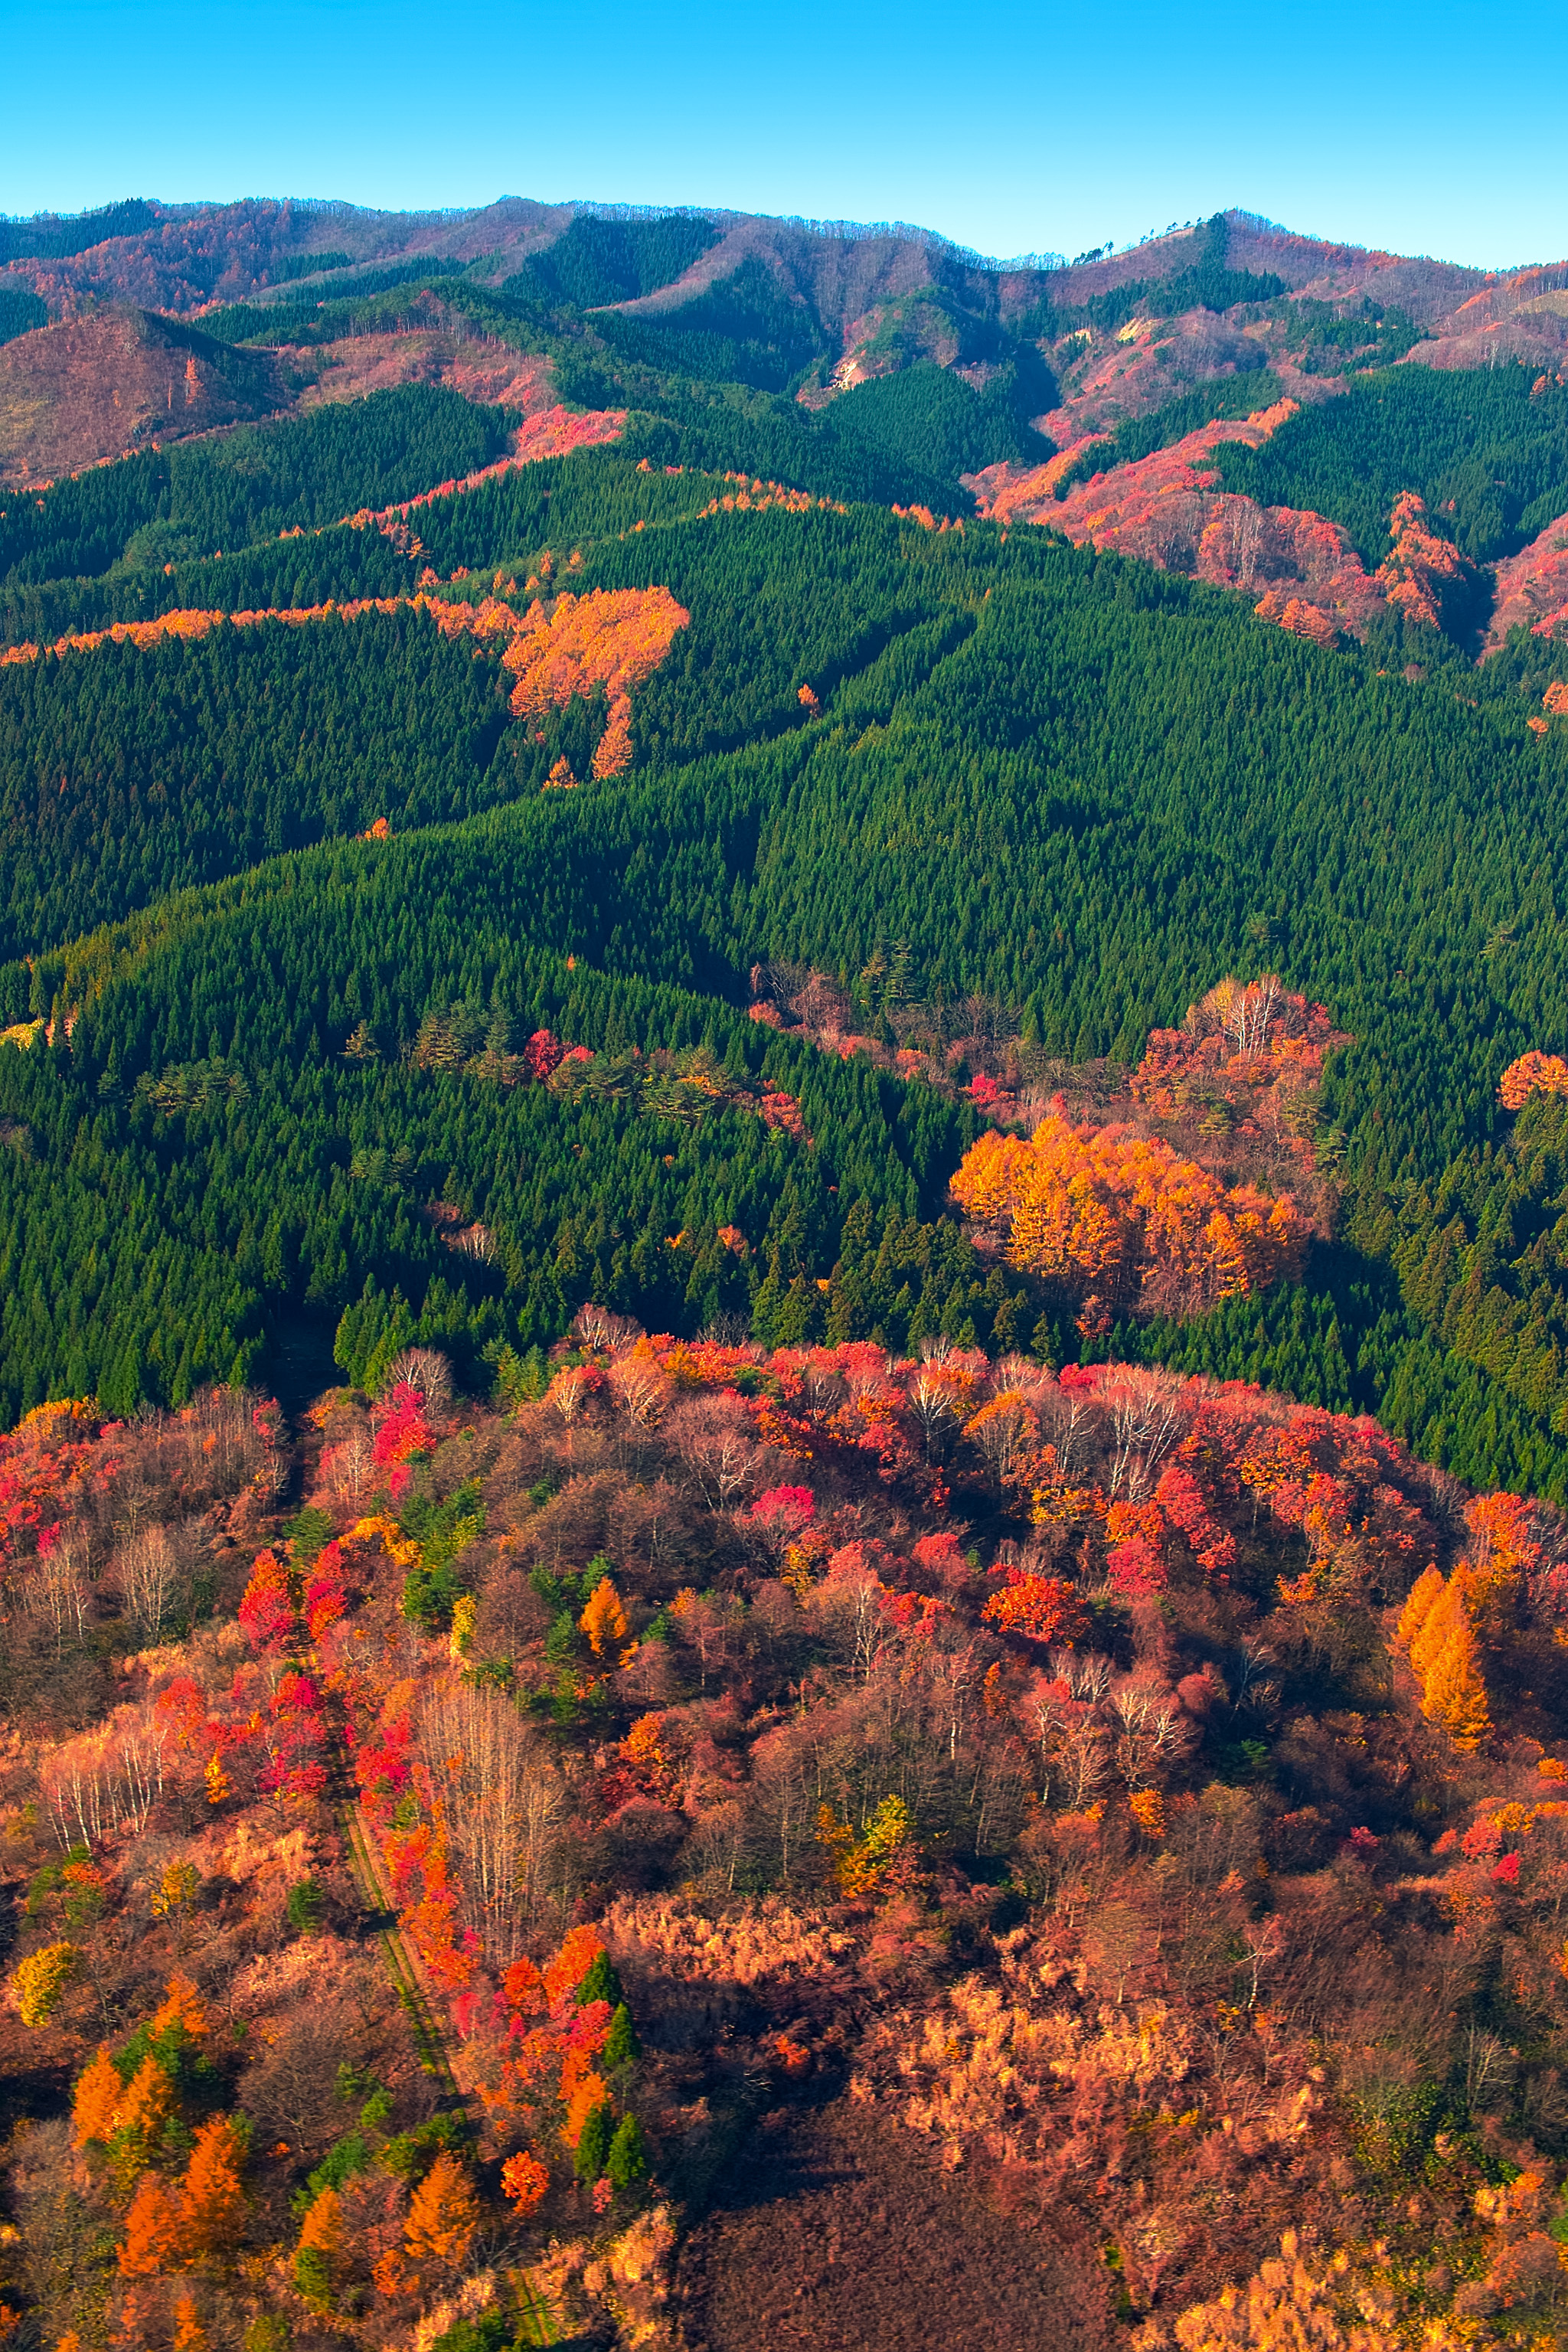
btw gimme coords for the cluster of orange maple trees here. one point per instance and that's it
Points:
(614, 638)
(1111, 1208)
(1533, 1073)
(119, 2114)
(928, 521)
(1241, 1039)
(754, 496)
(195, 623)
(1423, 576)
(1297, 617)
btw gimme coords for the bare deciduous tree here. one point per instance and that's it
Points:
(713, 1436)
(934, 1410)
(504, 1808)
(640, 1388)
(145, 1570)
(346, 1468)
(56, 1588)
(425, 1368)
(1147, 1417)
(604, 1334)
(1151, 1730)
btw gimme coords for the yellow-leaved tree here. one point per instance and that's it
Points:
(1297, 2303)
(39, 1982)
(1455, 1694)
(1437, 1632)
(1424, 1594)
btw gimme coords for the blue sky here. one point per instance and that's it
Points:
(1010, 128)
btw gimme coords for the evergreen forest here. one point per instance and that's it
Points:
(1067, 785)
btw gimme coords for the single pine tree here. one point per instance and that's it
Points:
(601, 1983)
(622, 2047)
(626, 2162)
(593, 2142)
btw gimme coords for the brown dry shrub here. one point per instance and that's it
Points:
(657, 1537)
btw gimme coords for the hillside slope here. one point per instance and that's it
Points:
(102, 387)
(611, 1862)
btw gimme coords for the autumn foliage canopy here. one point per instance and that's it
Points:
(1109, 1207)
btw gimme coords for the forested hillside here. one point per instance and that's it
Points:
(547, 1875)
(744, 793)
(1014, 769)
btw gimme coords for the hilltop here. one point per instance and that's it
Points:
(585, 1865)
(108, 384)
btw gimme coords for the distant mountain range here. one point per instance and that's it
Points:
(812, 309)
(1108, 398)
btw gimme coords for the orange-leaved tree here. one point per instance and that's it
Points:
(320, 2246)
(144, 2109)
(580, 1947)
(590, 2091)
(1043, 1608)
(610, 637)
(1455, 1694)
(524, 2180)
(153, 2236)
(1533, 1073)
(604, 1620)
(443, 2214)
(182, 2006)
(1106, 1205)
(211, 2201)
(95, 2101)
(1435, 1631)
(190, 2336)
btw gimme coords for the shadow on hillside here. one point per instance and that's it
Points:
(298, 1364)
(833, 2229)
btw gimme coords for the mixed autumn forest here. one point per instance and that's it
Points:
(783, 1348)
